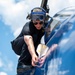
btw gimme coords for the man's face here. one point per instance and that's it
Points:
(38, 24)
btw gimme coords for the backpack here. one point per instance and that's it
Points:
(16, 45)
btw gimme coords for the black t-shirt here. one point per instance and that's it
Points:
(29, 29)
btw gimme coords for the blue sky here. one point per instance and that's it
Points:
(12, 18)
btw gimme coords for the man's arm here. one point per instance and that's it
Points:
(29, 41)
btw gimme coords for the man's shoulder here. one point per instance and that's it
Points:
(27, 24)
(28, 27)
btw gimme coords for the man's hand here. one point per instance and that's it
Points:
(42, 59)
(34, 60)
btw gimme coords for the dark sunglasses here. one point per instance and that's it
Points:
(41, 22)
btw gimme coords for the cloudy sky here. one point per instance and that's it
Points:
(12, 18)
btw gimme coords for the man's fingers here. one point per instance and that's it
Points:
(34, 62)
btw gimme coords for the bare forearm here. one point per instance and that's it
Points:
(31, 47)
(29, 41)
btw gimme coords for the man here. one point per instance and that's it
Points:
(29, 39)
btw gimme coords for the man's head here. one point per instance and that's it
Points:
(38, 16)
(38, 13)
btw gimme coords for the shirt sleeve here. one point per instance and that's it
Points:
(25, 31)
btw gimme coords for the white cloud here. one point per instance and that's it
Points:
(63, 42)
(9, 63)
(6, 63)
(3, 73)
(0, 53)
(1, 63)
(53, 66)
(16, 33)
(57, 5)
(14, 14)
(66, 41)
(63, 72)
